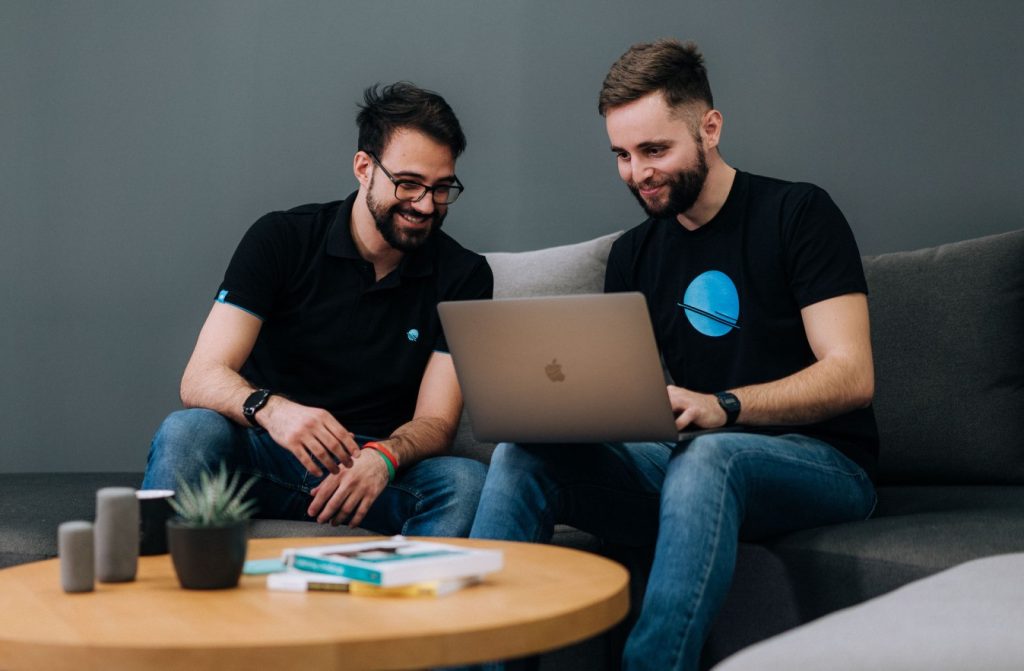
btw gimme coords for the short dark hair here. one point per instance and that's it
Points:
(405, 105)
(669, 66)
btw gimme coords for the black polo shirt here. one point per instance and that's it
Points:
(332, 336)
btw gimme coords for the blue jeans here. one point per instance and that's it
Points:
(434, 497)
(694, 501)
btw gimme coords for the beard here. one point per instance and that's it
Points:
(684, 188)
(388, 223)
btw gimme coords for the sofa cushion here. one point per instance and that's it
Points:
(959, 619)
(947, 326)
(555, 271)
(465, 445)
(915, 532)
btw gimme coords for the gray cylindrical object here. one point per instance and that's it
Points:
(117, 534)
(75, 547)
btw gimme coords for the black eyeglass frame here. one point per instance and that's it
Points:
(453, 190)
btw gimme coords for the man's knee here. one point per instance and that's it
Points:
(448, 480)
(196, 429)
(504, 456)
(509, 458)
(713, 450)
(704, 463)
(448, 493)
(467, 476)
(187, 442)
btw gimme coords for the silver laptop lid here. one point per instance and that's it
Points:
(581, 368)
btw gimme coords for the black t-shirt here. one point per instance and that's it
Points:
(725, 299)
(332, 336)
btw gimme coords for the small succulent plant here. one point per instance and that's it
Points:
(217, 500)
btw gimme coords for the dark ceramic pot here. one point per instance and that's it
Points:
(207, 557)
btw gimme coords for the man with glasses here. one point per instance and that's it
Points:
(321, 368)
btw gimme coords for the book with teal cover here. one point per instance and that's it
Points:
(396, 561)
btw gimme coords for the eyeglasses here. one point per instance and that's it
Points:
(442, 194)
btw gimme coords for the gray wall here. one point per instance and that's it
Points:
(140, 139)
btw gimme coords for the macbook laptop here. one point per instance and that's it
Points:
(581, 368)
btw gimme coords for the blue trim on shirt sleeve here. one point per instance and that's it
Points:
(221, 298)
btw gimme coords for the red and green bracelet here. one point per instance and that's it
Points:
(385, 454)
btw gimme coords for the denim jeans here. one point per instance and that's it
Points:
(694, 501)
(434, 497)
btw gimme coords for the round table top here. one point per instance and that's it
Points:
(544, 598)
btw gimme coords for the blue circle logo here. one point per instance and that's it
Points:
(413, 335)
(712, 304)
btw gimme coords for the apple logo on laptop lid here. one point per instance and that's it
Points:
(554, 371)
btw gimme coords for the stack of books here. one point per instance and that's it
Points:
(393, 567)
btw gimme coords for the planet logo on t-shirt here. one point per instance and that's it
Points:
(712, 304)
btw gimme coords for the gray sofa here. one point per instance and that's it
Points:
(947, 330)
(960, 618)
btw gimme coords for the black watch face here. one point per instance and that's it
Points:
(731, 405)
(255, 401)
(730, 402)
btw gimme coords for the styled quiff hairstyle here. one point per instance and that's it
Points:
(405, 105)
(669, 66)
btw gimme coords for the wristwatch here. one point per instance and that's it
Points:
(730, 404)
(254, 404)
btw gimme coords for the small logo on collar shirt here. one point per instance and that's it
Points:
(413, 335)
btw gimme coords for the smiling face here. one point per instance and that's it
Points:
(414, 157)
(658, 156)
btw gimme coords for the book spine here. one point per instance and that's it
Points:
(327, 587)
(295, 582)
(319, 565)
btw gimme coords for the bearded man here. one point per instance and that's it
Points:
(758, 301)
(322, 368)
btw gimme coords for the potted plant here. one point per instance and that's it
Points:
(208, 537)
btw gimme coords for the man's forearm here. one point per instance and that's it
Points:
(216, 387)
(825, 389)
(420, 438)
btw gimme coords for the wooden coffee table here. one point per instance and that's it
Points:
(546, 597)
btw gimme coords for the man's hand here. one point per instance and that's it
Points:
(348, 494)
(693, 409)
(308, 433)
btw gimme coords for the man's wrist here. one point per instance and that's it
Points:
(265, 416)
(253, 403)
(386, 451)
(387, 456)
(730, 405)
